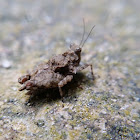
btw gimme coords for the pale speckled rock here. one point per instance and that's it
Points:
(106, 108)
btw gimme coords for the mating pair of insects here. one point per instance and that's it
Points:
(58, 71)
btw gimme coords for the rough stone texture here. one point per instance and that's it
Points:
(32, 31)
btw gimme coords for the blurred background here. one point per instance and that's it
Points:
(28, 26)
(33, 30)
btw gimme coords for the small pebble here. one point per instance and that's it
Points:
(40, 123)
(106, 59)
(6, 64)
(14, 88)
(133, 120)
(5, 100)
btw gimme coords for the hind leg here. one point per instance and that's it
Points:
(67, 79)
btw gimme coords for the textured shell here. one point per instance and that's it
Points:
(47, 79)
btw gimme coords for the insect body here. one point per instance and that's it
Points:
(57, 72)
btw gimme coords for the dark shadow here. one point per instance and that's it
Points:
(41, 96)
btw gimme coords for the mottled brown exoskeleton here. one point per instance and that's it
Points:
(58, 71)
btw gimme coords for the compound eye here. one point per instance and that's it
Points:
(78, 49)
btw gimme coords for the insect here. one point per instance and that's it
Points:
(58, 71)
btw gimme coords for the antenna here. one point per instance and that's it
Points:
(88, 36)
(83, 33)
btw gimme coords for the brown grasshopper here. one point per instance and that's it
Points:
(58, 71)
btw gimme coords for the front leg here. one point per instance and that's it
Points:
(63, 82)
(83, 66)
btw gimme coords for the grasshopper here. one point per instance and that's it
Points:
(58, 71)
